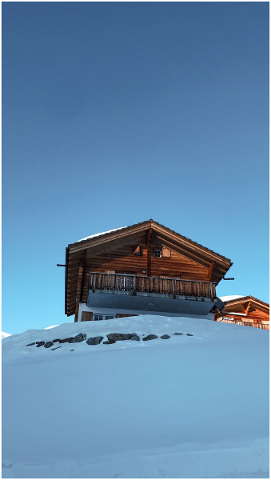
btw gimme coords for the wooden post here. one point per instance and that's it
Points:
(78, 290)
(148, 253)
(210, 271)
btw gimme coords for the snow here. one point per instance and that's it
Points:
(186, 407)
(98, 234)
(5, 335)
(228, 298)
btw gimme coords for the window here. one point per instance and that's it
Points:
(157, 253)
(99, 316)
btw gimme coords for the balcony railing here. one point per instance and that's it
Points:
(136, 283)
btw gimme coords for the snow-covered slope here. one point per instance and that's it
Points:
(5, 335)
(187, 406)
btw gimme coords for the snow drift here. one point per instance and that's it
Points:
(188, 406)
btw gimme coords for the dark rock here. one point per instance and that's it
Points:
(39, 344)
(189, 334)
(71, 350)
(135, 337)
(108, 342)
(94, 340)
(65, 340)
(30, 344)
(56, 340)
(48, 344)
(119, 336)
(55, 348)
(79, 338)
(165, 336)
(178, 333)
(149, 337)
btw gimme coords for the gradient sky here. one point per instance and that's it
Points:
(114, 113)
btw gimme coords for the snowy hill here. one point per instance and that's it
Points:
(5, 335)
(192, 405)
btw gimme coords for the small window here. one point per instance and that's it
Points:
(99, 316)
(157, 253)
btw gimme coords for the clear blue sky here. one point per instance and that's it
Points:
(114, 113)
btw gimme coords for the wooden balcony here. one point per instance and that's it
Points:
(151, 285)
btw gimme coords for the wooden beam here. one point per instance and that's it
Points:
(210, 271)
(78, 290)
(187, 242)
(248, 308)
(76, 312)
(148, 252)
(115, 235)
(185, 252)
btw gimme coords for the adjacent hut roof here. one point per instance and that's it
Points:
(218, 264)
(244, 304)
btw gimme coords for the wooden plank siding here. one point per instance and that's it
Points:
(123, 260)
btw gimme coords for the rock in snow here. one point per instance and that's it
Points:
(94, 340)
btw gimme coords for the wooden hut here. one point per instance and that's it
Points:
(144, 268)
(244, 311)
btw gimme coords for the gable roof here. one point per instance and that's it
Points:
(235, 302)
(217, 263)
(122, 231)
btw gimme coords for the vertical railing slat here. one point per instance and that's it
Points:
(172, 286)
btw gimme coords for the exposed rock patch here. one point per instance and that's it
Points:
(94, 340)
(79, 338)
(120, 336)
(111, 338)
(149, 337)
(66, 340)
(135, 337)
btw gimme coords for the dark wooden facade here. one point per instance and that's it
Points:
(147, 250)
(247, 311)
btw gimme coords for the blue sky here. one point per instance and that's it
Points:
(114, 113)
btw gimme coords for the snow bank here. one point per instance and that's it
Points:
(228, 298)
(99, 234)
(188, 406)
(5, 335)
